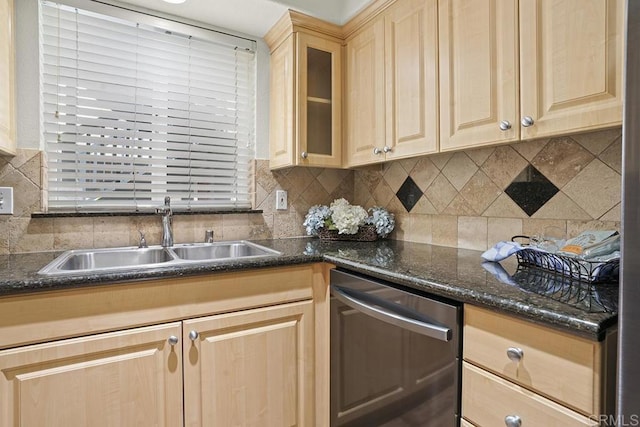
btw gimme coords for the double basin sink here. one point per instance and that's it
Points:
(133, 258)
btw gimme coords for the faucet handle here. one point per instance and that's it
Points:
(166, 209)
(143, 241)
(208, 236)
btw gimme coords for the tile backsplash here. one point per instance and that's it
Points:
(464, 199)
(472, 199)
(21, 233)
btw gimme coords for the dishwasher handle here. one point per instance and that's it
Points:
(387, 314)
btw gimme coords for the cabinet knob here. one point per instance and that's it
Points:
(505, 125)
(193, 335)
(377, 151)
(304, 154)
(527, 121)
(387, 149)
(173, 340)
(515, 354)
(512, 421)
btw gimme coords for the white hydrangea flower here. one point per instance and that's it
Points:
(347, 218)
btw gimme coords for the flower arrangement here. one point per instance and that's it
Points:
(346, 219)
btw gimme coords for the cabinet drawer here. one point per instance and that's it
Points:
(487, 399)
(560, 366)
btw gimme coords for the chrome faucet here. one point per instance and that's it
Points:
(167, 232)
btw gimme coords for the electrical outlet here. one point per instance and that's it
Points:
(6, 201)
(281, 200)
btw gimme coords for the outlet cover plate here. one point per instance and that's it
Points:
(6, 200)
(281, 200)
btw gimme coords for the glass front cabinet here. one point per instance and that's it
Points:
(305, 123)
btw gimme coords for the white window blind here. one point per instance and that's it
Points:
(133, 112)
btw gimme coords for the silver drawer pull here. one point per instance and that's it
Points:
(512, 421)
(515, 354)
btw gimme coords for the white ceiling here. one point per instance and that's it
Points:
(253, 17)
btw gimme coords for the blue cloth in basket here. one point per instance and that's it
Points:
(501, 250)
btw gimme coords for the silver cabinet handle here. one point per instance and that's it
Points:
(173, 340)
(377, 151)
(304, 154)
(387, 149)
(505, 125)
(512, 421)
(384, 311)
(515, 354)
(527, 121)
(193, 335)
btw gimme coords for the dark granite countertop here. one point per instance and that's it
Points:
(456, 274)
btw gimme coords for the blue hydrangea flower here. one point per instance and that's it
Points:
(382, 219)
(315, 219)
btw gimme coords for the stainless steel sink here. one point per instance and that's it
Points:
(132, 258)
(91, 260)
(221, 251)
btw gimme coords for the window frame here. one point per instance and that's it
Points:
(169, 24)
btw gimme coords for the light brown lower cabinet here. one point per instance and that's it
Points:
(125, 378)
(516, 372)
(230, 349)
(252, 368)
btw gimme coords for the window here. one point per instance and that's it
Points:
(136, 108)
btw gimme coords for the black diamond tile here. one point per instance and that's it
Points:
(409, 194)
(531, 190)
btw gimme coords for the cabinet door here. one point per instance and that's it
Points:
(571, 65)
(411, 74)
(365, 96)
(281, 122)
(319, 101)
(478, 72)
(7, 98)
(250, 368)
(127, 378)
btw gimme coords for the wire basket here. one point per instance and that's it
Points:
(586, 271)
(592, 297)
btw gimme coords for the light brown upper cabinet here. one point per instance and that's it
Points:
(571, 59)
(392, 85)
(306, 93)
(365, 109)
(514, 70)
(7, 79)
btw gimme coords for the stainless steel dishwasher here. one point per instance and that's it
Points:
(395, 355)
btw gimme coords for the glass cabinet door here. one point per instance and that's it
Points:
(319, 117)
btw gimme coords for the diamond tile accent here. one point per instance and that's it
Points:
(503, 165)
(596, 189)
(561, 160)
(424, 172)
(440, 193)
(459, 170)
(531, 190)
(409, 194)
(395, 175)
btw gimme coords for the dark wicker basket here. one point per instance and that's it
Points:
(366, 233)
